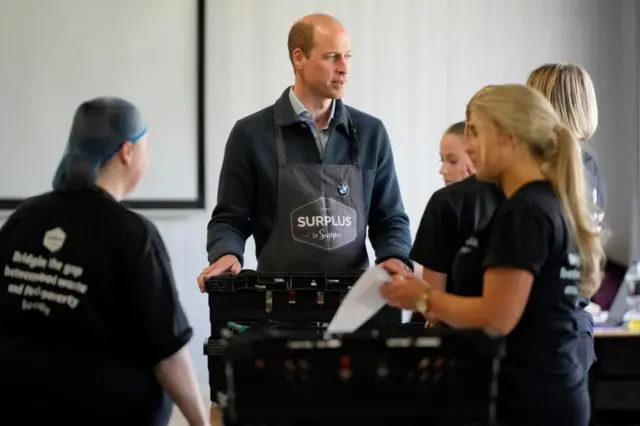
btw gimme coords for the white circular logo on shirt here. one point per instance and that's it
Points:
(54, 239)
(324, 223)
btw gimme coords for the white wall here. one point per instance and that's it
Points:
(415, 65)
(56, 54)
(617, 142)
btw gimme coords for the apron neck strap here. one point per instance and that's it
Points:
(354, 141)
(282, 158)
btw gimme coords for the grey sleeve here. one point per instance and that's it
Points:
(230, 226)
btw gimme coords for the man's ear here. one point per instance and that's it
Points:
(297, 56)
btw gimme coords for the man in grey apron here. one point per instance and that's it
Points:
(309, 206)
(319, 224)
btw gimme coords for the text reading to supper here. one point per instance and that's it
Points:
(39, 281)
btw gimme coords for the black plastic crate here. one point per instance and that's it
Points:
(286, 300)
(213, 347)
(250, 297)
(213, 344)
(406, 374)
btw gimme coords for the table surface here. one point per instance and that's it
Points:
(615, 332)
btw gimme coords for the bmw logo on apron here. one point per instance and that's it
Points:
(343, 189)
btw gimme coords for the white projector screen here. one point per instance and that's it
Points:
(57, 54)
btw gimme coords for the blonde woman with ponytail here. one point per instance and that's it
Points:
(572, 94)
(569, 89)
(530, 264)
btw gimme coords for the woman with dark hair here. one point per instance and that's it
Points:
(92, 331)
(456, 164)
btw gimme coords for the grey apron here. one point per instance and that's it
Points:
(319, 226)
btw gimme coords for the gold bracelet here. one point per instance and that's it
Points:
(422, 304)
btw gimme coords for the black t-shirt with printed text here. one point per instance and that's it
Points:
(456, 211)
(88, 305)
(541, 370)
(453, 213)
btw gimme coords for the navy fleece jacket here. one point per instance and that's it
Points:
(248, 185)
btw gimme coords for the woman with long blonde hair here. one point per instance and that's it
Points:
(530, 265)
(570, 90)
(572, 94)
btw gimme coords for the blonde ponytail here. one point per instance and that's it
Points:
(531, 119)
(567, 175)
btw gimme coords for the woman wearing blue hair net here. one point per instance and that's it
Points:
(107, 147)
(91, 327)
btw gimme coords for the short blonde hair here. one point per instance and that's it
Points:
(526, 115)
(570, 90)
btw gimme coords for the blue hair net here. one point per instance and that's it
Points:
(100, 127)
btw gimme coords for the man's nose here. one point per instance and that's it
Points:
(343, 66)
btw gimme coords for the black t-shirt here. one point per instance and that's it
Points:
(91, 281)
(453, 213)
(529, 232)
(456, 211)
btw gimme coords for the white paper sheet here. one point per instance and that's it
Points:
(361, 303)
